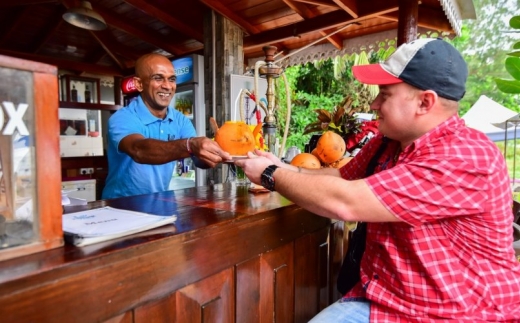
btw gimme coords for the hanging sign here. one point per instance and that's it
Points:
(128, 85)
(183, 69)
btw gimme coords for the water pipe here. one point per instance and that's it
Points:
(288, 120)
(270, 71)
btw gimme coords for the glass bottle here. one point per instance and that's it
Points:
(87, 94)
(74, 94)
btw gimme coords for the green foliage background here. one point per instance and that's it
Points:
(317, 85)
(484, 43)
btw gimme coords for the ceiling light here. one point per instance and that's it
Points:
(85, 17)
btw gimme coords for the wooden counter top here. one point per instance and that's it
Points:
(240, 251)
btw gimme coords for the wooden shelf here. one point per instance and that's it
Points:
(89, 106)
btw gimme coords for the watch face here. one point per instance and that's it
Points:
(267, 178)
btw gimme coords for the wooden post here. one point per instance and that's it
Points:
(407, 23)
(223, 56)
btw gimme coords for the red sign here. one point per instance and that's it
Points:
(128, 85)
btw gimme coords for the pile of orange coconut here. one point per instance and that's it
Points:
(329, 152)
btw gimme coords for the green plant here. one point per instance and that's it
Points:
(323, 85)
(341, 120)
(512, 65)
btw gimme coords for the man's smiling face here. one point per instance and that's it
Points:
(156, 81)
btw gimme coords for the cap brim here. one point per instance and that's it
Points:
(374, 74)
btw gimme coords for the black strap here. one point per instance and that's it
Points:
(349, 274)
(372, 164)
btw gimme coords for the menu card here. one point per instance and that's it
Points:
(102, 224)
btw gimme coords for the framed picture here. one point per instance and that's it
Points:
(80, 89)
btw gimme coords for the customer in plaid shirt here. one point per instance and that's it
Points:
(438, 205)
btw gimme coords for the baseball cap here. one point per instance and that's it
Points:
(425, 63)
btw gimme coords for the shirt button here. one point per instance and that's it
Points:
(376, 276)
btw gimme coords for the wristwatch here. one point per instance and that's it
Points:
(267, 178)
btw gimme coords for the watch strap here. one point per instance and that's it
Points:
(267, 178)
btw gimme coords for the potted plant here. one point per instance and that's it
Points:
(343, 121)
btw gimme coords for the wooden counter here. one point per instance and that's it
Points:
(231, 256)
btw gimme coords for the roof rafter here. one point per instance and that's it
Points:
(350, 6)
(46, 33)
(167, 19)
(307, 13)
(13, 21)
(65, 64)
(319, 3)
(326, 21)
(6, 4)
(226, 12)
(106, 40)
(427, 18)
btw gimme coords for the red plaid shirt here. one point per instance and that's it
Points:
(452, 257)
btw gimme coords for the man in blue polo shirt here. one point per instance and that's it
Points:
(146, 137)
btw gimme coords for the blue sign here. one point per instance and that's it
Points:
(183, 69)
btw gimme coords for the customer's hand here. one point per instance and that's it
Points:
(255, 165)
(275, 160)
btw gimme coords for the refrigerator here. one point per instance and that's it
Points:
(189, 99)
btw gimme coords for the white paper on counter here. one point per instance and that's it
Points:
(108, 221)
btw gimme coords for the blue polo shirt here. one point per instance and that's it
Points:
(125, 176)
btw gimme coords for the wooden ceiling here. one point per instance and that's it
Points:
(35, 30)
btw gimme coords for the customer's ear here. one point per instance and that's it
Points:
(428, 99)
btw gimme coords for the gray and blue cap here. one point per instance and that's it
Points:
(425, 63)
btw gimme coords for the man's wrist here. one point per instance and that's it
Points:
(267, 177)
(188, 148)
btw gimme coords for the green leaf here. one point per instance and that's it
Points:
(514, 22)
(513, 67)
(514, 54)
(516, 45)
(338, 115)
(312, 128)
(508, 86)
(324, 115)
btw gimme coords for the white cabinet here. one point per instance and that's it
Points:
(80, 133)
(78, 146)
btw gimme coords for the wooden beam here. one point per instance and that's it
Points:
(427, 18)
(65, 64)
(300, 9)
(104, 41)
(159, 14)
(96, 56)
(335, 40)
(226, 12)
(17, 3)
(142, 32)
(307, 13)
(326, 21)
(367, 7)
(107, 39)
(319, 3)
(14, 20)
(350, 6)
(47, 31)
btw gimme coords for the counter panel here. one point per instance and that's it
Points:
(230, 254)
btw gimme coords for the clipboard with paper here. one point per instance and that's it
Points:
(106, 223)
